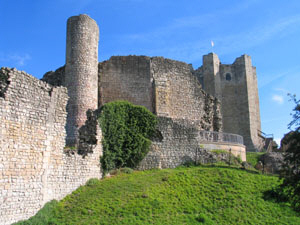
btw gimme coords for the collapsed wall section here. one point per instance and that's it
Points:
(56, 78)
(33, 165)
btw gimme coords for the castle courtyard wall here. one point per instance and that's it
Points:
(34, 167)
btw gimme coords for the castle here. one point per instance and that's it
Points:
(215, 106)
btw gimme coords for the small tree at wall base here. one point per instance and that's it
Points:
(127, 130)
(290, 175)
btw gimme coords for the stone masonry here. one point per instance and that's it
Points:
(164, 86)
(235, 85)
(81, 72)
(34, 166)
(180, 143)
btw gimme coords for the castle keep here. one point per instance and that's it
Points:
(50, 141)
(235, 86)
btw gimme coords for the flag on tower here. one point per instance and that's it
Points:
(212, 43)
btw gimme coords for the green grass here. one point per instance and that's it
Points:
(252, 157)
(194, 195)
(219, 151)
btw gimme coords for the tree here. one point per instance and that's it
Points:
(291, 168)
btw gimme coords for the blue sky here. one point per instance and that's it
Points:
(33, 37)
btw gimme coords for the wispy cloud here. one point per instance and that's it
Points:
(283, 90)
(17, 59)
(278, 99)
(191, 49)
(178, 24)
(269, 78)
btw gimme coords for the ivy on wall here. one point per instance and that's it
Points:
(127, 130)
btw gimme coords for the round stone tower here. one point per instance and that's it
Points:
(81, 72)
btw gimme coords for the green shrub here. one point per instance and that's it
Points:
(127, 130)
(202, 218)
(92, 182)
(126, 170)
(189, 164)
(120, 171)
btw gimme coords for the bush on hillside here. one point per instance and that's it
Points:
(127, 130)
(291, 168)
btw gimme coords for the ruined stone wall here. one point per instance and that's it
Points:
(33, 165)
(166, 87)
(178, 145)
(181, 143)
(178, 94)
(55, 78)
(126, 78)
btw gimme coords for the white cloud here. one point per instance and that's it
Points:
(277, 141)
(17, 59)
(278, 99)
(20, 60)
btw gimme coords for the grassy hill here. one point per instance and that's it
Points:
(195, 195)
(252, 157)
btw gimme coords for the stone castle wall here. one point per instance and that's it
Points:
(33, 165)
(166, 87)
(236, 87)
(250, 114)
(126, 78)
(178, 95)
(181, 143)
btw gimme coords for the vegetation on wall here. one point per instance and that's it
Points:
(127, 130)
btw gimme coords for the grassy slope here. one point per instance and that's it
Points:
(252, 157)
(212, 195)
